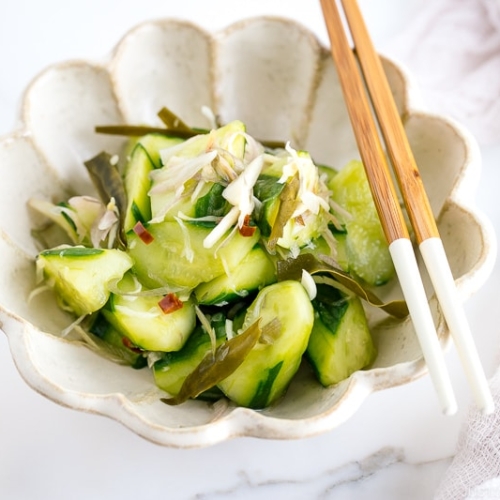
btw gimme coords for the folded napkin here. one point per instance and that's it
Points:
(453, 49)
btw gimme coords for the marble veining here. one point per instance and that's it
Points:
(358, 479)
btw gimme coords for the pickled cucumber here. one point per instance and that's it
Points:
(366, 247)
(340, 341)
(82, 276)
(266, 372)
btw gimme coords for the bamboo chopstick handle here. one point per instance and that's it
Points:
(387, 205)
(417, 205)
(368, 141)
(396, 140)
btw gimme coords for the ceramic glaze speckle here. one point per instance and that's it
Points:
(286, 91)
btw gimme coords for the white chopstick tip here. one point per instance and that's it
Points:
(437, 265)
(451, 409)
(449, 405)
(407, 270)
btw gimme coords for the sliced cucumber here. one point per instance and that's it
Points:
(76, 217)
(186, 205)
(177, 257)
(320, 247)
(279, 198)
(141, 319)
(255, 271)
(266, 372)
(155, 142)
(137, 184)
(81, 276)
(340, 342)
(116, 344)
(172, 369)
(59, 215)
(229, 138)
(365, 244)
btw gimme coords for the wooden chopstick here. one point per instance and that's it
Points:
(417, 204)
(387, 204)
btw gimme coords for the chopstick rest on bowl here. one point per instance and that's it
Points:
(415, 199)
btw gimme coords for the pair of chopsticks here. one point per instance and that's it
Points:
(415, 199)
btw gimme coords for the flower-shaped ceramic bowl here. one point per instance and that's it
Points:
(276, 77)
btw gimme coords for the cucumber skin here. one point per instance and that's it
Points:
(254, 272)
(200, 208)
(163, 333)
(163, 262)
(365, 244)
(172, 369)
(153, 143)
(105, 331)
(225, 137)
(267, 371)
(81, 276)
(137, 185)
(337, 350)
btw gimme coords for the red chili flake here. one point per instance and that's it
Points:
(129, 345)
(170, 303)
(143, 233)
(247, 229)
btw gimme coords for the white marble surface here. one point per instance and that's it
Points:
(397, 445)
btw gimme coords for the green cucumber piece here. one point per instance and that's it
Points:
(81, 276)
(171, 370)
(266, 372)
(209, 202)
(185, 204)
(61, 218)
(137, 185)
(296, 233)
(340, 341)
(75, 217)
(320, 247)
(255, 271)
(177, 257)
(153, 143)
(117, 344)
(228, 138)
(141, 319)
(366, 247)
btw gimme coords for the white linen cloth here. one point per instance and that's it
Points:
(474, 473)
(452, 47)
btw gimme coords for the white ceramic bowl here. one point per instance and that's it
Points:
(274, 75)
